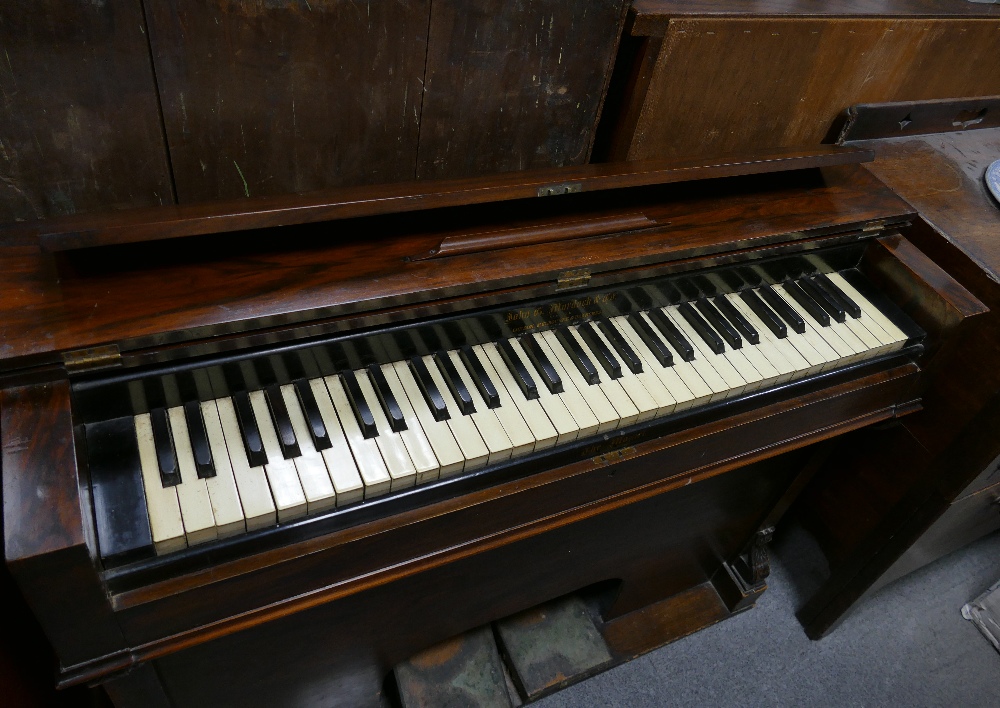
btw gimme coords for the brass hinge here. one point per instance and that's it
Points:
(875, 225)
(573, 279)
(84, 360)
(551, 190)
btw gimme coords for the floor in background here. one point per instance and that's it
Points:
(907, 645)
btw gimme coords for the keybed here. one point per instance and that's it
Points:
(332, 427)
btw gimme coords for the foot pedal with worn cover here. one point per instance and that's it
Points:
(461, 672)
(551, 646)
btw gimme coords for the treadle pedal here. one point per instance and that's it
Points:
(461, 672)
(551, 646)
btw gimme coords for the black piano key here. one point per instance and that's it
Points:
(705, 285)
(600, 350)
(542, 364)
(199, 440)
(628, 355)
(314, 420)
(689, 288)
(170, 474)
(721, 325)
(702, 328)
(737, 319)
(117, 489)
(838, 294)
(807, 303)
(655, 345)
(479, 376)
(750, 276)
(389, 404)
(832, 308)
(672, 334)
(366, 421)
(517, 369)
(435, 401)
(578, 356)
(248, 428)
(731, 278)
(282, 422)
(670, 293)
(782, 309)
(765, 313)
(455, 383)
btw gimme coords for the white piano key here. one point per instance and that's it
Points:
(313, 475)
(541, 428)
(417, 445)
(162, 506)
(571, 377)
(495, 437)
(439, 435)
(397, 459)
(369, 460)
(553, 409)
(222, 488)
(756, 356)
(517, 432)
(282, 477)
(732, 383)
(478, 452)
(813, 347)
(828, 344)
(340, 463)
(630, 399)
(698, 375)
(659, 401)
(192, 493)
(873, 346)
(668, 376)
(255, 494)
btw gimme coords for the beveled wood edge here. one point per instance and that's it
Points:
(157, 223)
(100, 668)
(650, 18)
(879, 121)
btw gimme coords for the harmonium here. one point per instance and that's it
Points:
(261, 452)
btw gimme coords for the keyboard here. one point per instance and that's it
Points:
(214, 450)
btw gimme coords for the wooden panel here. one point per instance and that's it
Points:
(353, 202)
(47, 535)
(288, 96)
(904, 118)
(722, 85)
(514, 86)
(79, 124)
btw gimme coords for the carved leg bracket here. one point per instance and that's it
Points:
(741, 582)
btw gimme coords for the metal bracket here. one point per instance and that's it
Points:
(551, 190)
(573, 279)
(92, 359)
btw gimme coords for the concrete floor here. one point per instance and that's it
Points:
(906, 645)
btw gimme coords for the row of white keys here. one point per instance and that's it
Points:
(814, 347)
(732, 381)
(659, 402)
(397, 459)
(477, 451)
(511, 421)
(421, 452)
(795, 347)
(366, 453)
(282, 477)
(222, 489)
(686, 395)
(316, 483)
(642, 400)
(757, 358)
(872, 318)
(340, 462)
(162, 506)
(783, 357)
(192, 492)
(841, 338)
(572, 379)
(626, 410)
(836, 350)
(446, 449)
(697, 367)
(557, 406)
(488, 422)
(255, 495)
(542, 429)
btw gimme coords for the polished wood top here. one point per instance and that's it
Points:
(155, 294)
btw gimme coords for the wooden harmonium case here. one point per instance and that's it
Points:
(541, 393)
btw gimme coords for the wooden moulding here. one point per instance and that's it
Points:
(219, 217)
(874, 121)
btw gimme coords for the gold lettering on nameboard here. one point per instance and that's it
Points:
(557, 313)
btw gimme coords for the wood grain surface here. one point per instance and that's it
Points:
(79, 123)
(723, 85)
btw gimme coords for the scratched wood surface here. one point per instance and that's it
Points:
(731, 84)
(79, 125)
(263, 98)
(513, 86)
